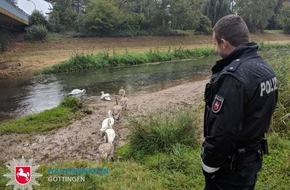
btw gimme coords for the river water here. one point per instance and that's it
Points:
(32, 95)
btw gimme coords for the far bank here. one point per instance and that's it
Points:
(24, 58)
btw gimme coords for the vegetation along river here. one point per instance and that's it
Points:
(32, 95)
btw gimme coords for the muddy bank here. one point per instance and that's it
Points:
(80, 140)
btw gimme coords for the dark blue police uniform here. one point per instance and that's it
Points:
(240, 100)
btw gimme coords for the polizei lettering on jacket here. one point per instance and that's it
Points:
(268, 86)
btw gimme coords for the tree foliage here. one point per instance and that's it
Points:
(255, 13)
(216, 9)
(64, 14)
(273, 23)
(100, 16)
(284, 19)
(186, 14)
(37, 18)
(103, 16)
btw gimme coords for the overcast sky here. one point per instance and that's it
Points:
(28, 6)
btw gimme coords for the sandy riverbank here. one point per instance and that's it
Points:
(80, 140)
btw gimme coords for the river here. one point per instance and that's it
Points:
(23, 96)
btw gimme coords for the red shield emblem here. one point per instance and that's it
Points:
(22, 174)
(217, 104)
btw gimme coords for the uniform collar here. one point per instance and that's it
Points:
(248, 49)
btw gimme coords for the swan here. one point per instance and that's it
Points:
(124, 102)
(109, 135)
(105, 96)
(77, 91)
(108, 122)
(122, 92)
(117, 110)
(106, 150)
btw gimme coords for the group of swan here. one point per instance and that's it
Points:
(106, 149)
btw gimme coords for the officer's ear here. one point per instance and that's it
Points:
(226, 46)
(224, 43)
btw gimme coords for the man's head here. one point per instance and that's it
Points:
(230, 32)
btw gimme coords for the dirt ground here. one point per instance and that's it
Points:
(81, 139)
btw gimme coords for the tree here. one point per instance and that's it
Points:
(103, 16)
(216, 9)
(186, 14)
(255, 13)
(273, 22)
(204, 25)
(284, 19)
(37, 18)
(65, 13)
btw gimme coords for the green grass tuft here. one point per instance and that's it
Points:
(161, 132)
(281, 116)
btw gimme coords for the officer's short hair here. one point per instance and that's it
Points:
(233, 29)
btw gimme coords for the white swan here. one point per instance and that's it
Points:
(105, 96)
(108, 122)
(77, 91)
(110, 135)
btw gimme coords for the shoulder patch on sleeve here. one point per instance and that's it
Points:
(217, 104)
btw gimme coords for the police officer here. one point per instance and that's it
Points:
(240, 99)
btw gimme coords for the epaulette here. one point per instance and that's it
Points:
(234, 65)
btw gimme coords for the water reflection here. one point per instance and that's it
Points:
(42, 96)
(26, 96)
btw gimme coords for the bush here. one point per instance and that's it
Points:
(71, 102)
(204, 25)
(161, 132)
(36, 33)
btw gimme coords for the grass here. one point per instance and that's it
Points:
(88, 61)
(275, 173)
(273, 31)
(45, 121)
(162, 132)
(281, 116)
(264, 46)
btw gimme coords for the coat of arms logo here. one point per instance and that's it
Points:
(22, 174)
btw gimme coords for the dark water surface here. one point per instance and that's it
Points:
(32, 95)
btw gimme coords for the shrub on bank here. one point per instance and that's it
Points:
(36, 33)
(161, 132)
